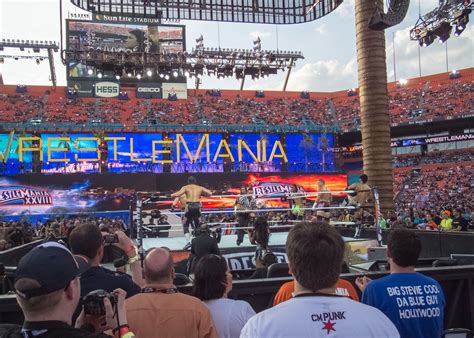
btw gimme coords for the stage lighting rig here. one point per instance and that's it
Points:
(200, 61)
(461, 22)
(443, 31)
(440, 21)
(36, 46)
(426, 39)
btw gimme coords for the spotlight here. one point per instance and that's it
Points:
(403, 82)
(427, 39)
(455, 74)
(99, 75)
(175, 73)
(118, 73)
(461, 22)
(139, 76)
(149, 73)
(458, 30)
(89, 71)
(129, 74)
(167, 77)
(162, 75)
(443, 31)
(186, 73)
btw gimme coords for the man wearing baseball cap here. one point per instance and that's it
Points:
(48, 289)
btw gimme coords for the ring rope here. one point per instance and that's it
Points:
(292, 195)
(257, 210)
(236, 228)
(223, 225)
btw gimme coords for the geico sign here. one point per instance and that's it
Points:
(148, 90)
(107, 89)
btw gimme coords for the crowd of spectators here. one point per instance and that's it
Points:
(435, 194)
(406, 104)
(64, 292)
(431, 102)
(434, 157)
(15, 233)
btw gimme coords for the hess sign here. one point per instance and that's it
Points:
(107, 89)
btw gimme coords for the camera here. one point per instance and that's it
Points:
(110, 239)
(93, 302)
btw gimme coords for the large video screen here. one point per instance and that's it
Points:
(267, 188)
(60, 195)
(98, 36)
(197, 149)
(73, 145)
(10, 153)
(310, 152)
(181, 152)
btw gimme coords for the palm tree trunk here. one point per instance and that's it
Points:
(375, 119)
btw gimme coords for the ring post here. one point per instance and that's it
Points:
(378, 229)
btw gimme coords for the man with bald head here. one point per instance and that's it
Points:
(160, 310)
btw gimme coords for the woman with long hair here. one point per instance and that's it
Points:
(264, 257)
(212, 284)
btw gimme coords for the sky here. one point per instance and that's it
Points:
(328, 45)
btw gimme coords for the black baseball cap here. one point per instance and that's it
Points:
(50, 264)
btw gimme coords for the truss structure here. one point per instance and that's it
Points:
(202, 61)
(37, 46)
(249, 11)
(440, 19)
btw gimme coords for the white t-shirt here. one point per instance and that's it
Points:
(320, 316)
(229, 316)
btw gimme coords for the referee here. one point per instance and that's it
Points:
(242, 207)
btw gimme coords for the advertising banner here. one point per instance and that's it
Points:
(83, 88)
(107, 89)
(149, 90)
(180, 89)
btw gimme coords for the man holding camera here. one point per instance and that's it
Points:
(87, 240)
(160, 310)
(48, 288)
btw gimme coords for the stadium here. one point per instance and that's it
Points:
(197, 190)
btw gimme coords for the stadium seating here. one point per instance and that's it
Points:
(427, 99)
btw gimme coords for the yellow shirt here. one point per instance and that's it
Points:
(446, 224)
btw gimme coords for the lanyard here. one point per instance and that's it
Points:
(168, 291)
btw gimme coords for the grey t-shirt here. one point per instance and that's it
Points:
(229, 316)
